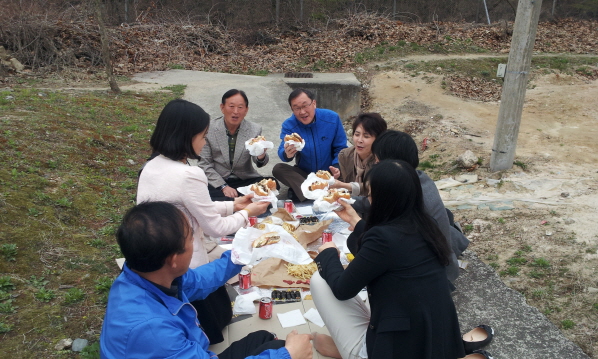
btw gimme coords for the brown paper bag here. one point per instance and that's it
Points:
(271, 272)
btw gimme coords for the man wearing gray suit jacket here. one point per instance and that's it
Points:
(224, 159)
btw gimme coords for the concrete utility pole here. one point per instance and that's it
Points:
(513, 90)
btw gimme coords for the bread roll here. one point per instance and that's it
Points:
(257, 139)
(266, 239)
(263, 187)
(324, 175)
(317, 185)
(334, 194)
(293, 137)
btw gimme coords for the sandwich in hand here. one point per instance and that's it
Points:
(293, 137)
(263, 187)
(324, 175)
(335, 194)
(266, 239)
(253, 141)
(317, 185)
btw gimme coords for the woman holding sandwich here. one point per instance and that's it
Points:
(355, 161)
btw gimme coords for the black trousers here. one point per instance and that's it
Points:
(217, 194)
(253, 344)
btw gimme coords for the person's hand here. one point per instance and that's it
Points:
(257, 208)
(348, 214)
(336, 173)
(289, 150)
(263, 155)
(230, 192)
(242, 202)
(326, 246)
(299, 345)
(340, 184)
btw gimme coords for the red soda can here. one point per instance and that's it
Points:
(245, 279)
(289, 206)
(266, 308)
(252, 221)
(326, 236)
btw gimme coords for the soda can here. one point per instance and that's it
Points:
(245, 279)
(252, 221)
(326, 236)
(289, 206)
(266, 308)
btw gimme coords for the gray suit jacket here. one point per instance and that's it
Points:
(215, 160)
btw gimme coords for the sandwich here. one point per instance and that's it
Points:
(263, 187)
(266, 239)
(256, 140)
(324, 175)
(293, 137)
(335, 194)
(317, 185)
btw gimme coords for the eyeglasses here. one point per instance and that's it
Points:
(302, 108)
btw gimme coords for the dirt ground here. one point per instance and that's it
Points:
(554, 200)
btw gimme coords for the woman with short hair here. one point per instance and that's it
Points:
(355, 161)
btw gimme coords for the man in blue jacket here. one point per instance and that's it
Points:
(324, 136)
(149, 314)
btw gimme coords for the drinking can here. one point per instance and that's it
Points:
(326, 236)
(266, 308)
(252, 221)
(289, 206)
(245, 279)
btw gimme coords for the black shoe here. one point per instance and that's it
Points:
(291, 193)
(477, 338)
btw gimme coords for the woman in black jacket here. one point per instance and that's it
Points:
(401, 258)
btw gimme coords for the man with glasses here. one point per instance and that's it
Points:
(324, 136)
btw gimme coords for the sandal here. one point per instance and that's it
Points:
(478, 354)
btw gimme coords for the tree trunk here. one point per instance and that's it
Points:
(106, 48)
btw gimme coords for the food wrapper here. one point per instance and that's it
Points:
(298, 145)
(324, 206)
(271, 197)
(287, 248)
(318, 193)
(257, 149)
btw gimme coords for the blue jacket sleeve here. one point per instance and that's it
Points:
(286, 130)
(340, 141)
(203, 280)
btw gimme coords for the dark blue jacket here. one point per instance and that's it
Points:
(324, 139)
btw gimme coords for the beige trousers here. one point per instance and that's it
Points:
(347, 320)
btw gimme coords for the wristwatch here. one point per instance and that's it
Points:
(222, 187)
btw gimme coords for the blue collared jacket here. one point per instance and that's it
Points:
(324, 139)
(143, 322)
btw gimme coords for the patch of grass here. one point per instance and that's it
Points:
(45, 295)
(541, 263)
(468, 228)
(176, 66)
(535, 274)
(177, 90)
(567, 324)
(91, 351)
(9, 251)
(97, 243)
(38, 282)
(5, 328)
(74, 295)
(494, 265)
(520, 164)
(7, 307)
(516, 261)
(511, 271)
(6, 283)
(501, 220)
(595, 306)
(492, 257)
(425, 165)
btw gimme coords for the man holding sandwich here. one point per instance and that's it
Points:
(324, 136)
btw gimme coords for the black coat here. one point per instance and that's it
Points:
(412, 313)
